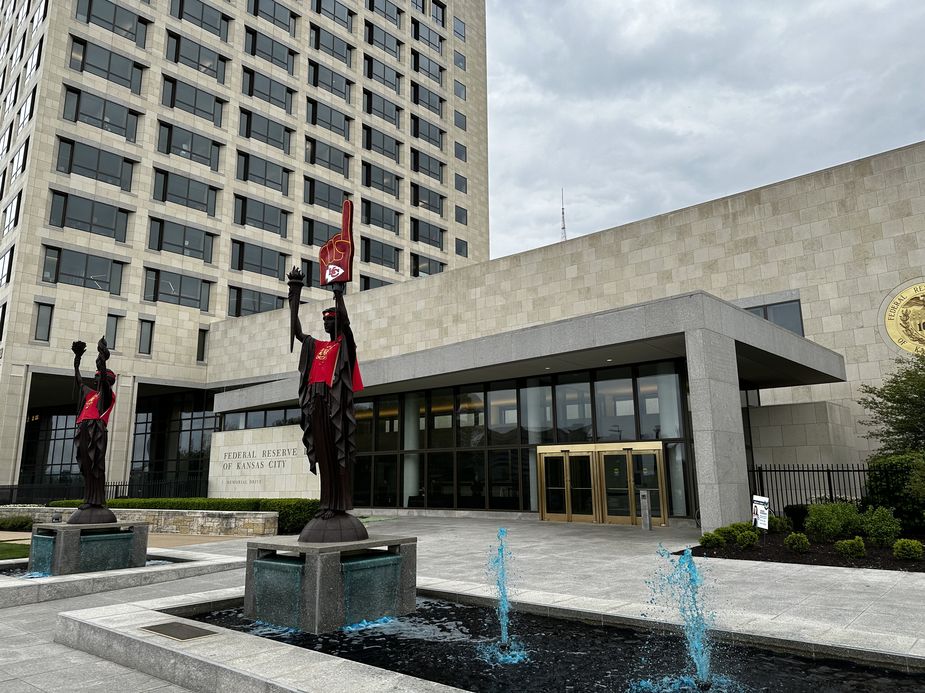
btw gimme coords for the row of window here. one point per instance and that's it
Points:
(111, 116)
(94, 216)
(176, 93)
(44, 314)
(214, 21)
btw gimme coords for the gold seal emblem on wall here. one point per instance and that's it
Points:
(905, 319)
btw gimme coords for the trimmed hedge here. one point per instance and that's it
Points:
(908, 550)
(851, 549)
(880, 526)
(16, 523)
(294, 513)
(747, 539)
(797, 542)
(712, 540)
(827, 522)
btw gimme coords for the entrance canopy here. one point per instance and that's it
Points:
(766, 355)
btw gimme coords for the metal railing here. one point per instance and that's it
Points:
(803, 484)
(45, 493)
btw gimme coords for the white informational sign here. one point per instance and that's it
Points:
(760, 507)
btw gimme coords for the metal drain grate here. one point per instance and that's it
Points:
(179, 631)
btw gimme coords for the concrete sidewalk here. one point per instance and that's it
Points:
(571, 565)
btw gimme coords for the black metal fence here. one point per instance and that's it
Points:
(803, 484)
(45, 493)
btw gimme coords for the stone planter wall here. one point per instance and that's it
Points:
(202, 522)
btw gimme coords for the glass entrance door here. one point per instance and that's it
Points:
(601, 483)
(617, 487)
(568, 493)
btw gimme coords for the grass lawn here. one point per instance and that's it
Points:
(13, 551)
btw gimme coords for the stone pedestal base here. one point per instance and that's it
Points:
(320, 587)
(339, 528)
(64, 549)
(92, 515)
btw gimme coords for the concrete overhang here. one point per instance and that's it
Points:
(767, 356)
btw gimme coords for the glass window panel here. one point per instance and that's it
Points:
(470, 479)
(470, 417)
(362, 476)
(659, 402)
(536, 412)
(502, 415)
(233, 421)
(414, 494)
(616, 414)
(440, 478)
(254, 419)
(440, 419)
(787, 315)
(573, 409)
(387, 425)
(503, 480)
(675, 469)
(385, 481)
(364, 434)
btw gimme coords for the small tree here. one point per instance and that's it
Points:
(896, 407)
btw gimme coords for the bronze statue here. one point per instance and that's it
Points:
(328, 379)
(93, 411)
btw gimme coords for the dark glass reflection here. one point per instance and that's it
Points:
(503, 482)
(536, 412)
(440, 480)
(573, 409)
(470, 479)
(554, 471)
(659, 401)
(440, 419)
(502, 416)
(470, 418)
(385, 481)
(616, 413)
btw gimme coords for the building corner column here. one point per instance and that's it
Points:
(716, 419)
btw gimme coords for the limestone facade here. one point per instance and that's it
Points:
(53, 29)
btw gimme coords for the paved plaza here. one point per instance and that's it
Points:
(590, 568)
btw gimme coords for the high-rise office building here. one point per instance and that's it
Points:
(162, 164)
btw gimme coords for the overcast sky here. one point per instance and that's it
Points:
(638, 107)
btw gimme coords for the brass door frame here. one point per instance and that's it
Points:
(565, 454)
(597, 451)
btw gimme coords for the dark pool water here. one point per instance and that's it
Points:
(441, 642)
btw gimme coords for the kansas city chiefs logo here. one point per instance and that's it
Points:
(332, 272)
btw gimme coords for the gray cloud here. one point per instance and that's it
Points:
(639, 107)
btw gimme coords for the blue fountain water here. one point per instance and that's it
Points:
(506, 650)
(364, 624)
(682, 585)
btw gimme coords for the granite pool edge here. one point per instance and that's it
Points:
(254, 663)
(16, 591)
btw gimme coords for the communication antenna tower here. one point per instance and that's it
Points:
(564, 236)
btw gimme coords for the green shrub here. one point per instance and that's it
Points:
(880, 526)
(727, 534)
(712, 540)
(241, 504)
(16, 523)
(852, 549)
(797, 542)
(294, 513)
(898, 482)
(747, 539)
(797, 515)
(908, 550)
(779, 525)
(827, 522)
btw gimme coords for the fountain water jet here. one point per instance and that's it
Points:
(506, 650)
(683, 586)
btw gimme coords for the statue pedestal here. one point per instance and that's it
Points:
(63, 549)
(320, 587)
